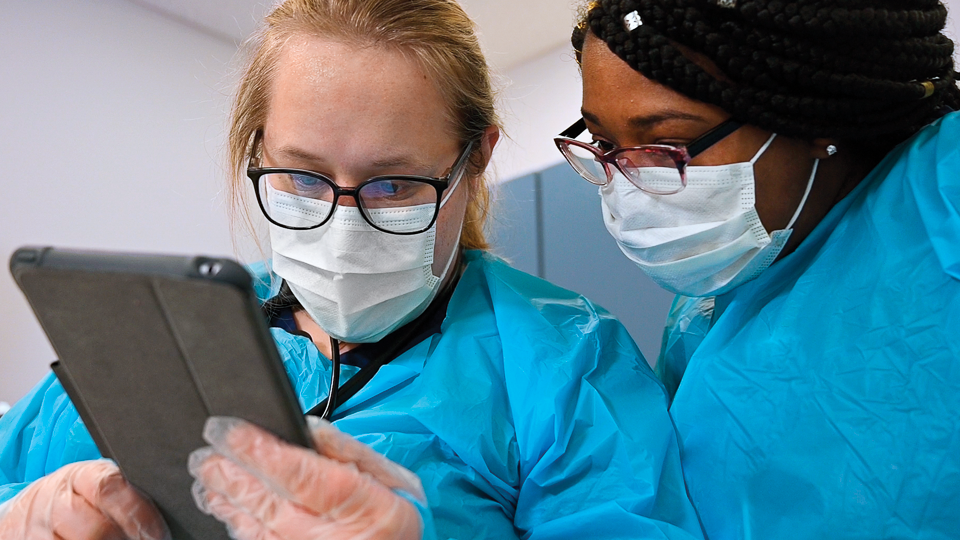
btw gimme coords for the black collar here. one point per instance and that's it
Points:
(369, 357)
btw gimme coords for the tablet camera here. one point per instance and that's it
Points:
(210, 268)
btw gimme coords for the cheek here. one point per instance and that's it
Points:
(449, 222)
(781, 179)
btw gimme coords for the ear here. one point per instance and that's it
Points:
(824, 148)
(490, 137)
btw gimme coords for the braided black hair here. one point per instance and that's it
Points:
(859, 70)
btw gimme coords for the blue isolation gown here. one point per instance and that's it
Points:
(531, 414)
(824, 400)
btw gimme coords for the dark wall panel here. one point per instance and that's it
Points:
(580, 255)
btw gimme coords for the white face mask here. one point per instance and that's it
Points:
(358, 283)
(702, 241)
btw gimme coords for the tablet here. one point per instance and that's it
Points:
(149, 346)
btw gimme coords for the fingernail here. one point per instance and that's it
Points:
(200, 497)
(112, 485)
(315, 422)
(197, 458)
(216, 429)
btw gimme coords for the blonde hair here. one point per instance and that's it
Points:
(438, 34)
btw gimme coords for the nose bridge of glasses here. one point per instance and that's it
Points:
(345, 196)
(340, 195)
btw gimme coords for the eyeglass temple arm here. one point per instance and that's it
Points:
(254, 160)
(712, 137)
(575, 130)
(705, 141)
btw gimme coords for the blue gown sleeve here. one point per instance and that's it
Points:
(599, 453)
(40, 434)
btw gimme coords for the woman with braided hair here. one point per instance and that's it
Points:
(791, 169)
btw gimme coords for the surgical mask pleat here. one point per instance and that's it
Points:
(359, 283)
(343, 247)
(704, 240)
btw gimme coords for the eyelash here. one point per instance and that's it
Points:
(606, 146)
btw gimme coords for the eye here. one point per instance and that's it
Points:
(391, 189)
(302, 182)
(397, 192)
(603, 146)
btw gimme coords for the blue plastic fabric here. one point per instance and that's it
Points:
(532, 414)
(824, 402)
(688, 323)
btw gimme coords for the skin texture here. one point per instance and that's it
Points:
(624, 108)
(351, 112)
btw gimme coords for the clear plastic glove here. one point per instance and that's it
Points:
(89, 500)
(265, 489)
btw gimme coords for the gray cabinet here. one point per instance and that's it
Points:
(549, 224)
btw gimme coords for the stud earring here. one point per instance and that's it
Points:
(831, 150)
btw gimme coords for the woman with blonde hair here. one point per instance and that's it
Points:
(362, 128)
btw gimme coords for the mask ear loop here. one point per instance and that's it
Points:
(803, 201)
(456, 249)
(446, 197)
(763, 149)
(453, 187)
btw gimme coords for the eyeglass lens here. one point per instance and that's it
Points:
(391, 204)
(652, 169)
(586, 162)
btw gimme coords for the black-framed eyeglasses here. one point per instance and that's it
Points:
(397, 204)
(658, 169)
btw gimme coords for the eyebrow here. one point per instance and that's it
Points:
(299, 153)
(647, 122)
(398, 161)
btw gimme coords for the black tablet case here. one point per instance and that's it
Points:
(149, 347)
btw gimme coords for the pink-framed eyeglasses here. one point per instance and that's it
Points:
(658, 169)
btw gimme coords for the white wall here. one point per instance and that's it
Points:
(953, 26)
(112, 120)
(539, 99)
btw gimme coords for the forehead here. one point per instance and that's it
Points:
(326, 92)
(614, 91)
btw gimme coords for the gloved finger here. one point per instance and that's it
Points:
(72, 517)
(333, 443)
(376, 519)
(106, 489)
(298, 474)
(255, 514)
(308, 483)
(240, 525)
(59, 506)
(49, 509)
(217, 475)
